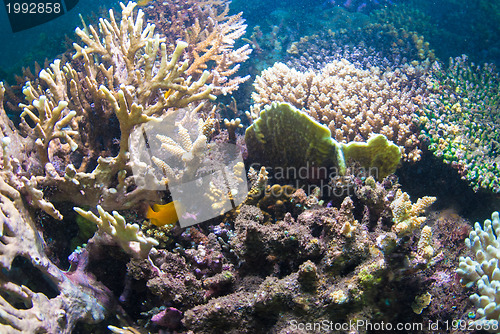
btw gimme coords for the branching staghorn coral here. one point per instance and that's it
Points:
(24, 309)
(211, 35)
(125, 77)
(13, 146)
(128, 236)
(137, 86)
(175, 147)
(461, 122)
(50, 124)
(406, 214)
(352, 102)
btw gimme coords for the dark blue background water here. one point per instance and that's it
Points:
(470, 27)
(44, 41)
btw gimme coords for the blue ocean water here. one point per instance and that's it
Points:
(45, 41)
(452, 27)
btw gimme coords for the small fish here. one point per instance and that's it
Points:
(168, 93)
(164, 214)
(143, 3)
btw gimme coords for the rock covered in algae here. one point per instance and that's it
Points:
(287, 137)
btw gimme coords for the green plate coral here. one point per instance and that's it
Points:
(284, 136)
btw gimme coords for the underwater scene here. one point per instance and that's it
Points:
(218, 166)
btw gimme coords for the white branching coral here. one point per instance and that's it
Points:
(211, 34)
(175, 147)
(126, 75)
(22, 308)
(128, 236)
(484, 269)
(36, 199)
(128, 58)
(51, 123)
(215, 42)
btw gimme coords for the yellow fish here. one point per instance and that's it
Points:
(161, 215)
(168, 93)
(143, 2)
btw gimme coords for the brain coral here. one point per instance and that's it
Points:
(352, 102)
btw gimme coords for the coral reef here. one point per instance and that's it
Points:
(300, 221)
(336, 279)
(77, 123)
(241, 274)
